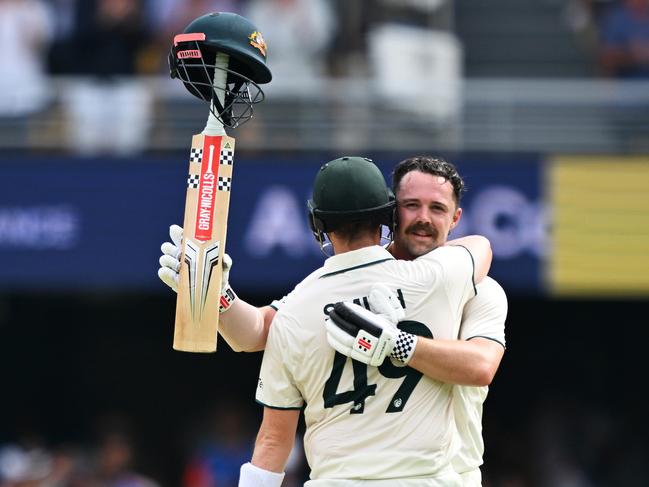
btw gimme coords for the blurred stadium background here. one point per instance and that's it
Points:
(542, 104)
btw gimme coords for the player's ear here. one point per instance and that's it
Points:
(456, 218)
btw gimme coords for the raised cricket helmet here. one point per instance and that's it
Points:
(193, 60)
(347, 190)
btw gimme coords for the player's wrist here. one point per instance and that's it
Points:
(227, 299)
(253, 476)
(404, 347)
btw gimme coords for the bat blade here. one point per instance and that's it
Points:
(205, 227)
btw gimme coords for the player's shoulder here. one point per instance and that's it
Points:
(446, 255)
(490, 287)
(297, 290)
(490, 297)
(432, 267)
(447, 260)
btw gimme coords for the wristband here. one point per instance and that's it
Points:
(404, 347)
(252, 476)
(227, 298)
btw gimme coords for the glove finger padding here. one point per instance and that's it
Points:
(227, 263)
(169, 262)
(169, 277)
(337, 338)
(385, 302)
(176, 234)
(171, 250)
(170, 258)
(228, 296)
(225, 276)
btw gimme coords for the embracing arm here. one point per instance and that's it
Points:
(467, 362)
(471, 360)
(475, 357)
(480, 249)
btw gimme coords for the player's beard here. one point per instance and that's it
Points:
(416, 246)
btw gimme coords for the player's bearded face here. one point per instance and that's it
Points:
(426, 214)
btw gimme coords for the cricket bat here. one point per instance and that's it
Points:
(209, 182)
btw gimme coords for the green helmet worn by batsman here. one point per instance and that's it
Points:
(347, 190)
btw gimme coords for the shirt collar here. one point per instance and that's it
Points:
(355, 259)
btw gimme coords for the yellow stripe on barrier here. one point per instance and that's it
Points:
(600, 230)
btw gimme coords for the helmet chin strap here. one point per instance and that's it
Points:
(214, 126)
(386, 241)
(326, 247)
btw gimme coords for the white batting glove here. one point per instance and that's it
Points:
(227, 293)
(360, 334)
(170, 259)
(348, 327)
(383, 301)
(170, 267)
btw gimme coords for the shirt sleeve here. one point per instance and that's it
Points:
(485, 314)
(456, 272)
(278, 303)
(276, 386)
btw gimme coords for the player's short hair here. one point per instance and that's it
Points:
(429, 165)
(354, 230)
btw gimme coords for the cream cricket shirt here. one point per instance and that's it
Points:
(484, 316)
(368, 422)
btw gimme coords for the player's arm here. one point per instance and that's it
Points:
(282, 400)
(472, 362)
(272, 448)
(482, 339)
(480, 249)
(350, 328)
(243, 326)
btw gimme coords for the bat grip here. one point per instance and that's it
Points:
(214, 126)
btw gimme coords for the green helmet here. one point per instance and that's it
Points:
(347, 190)
(193, 54)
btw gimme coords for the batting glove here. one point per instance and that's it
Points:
(348, 329)
(227, 293)
(170, 259)
(360, 334)
(383, 301)
(170, 267)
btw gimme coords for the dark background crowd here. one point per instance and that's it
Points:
(94, 395)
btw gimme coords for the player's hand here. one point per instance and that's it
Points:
(360, 334)
(227, 293)
(385, 308)
(170, 267)
(383, 301)
(170, 258)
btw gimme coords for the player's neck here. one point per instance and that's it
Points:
(399, 252)
(343, 245)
